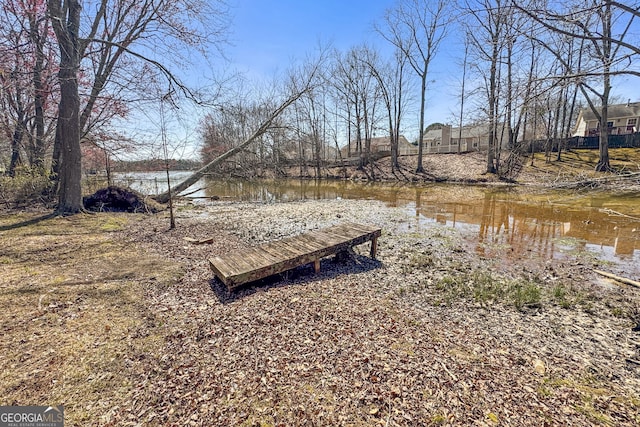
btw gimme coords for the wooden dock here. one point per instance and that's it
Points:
(242, 266)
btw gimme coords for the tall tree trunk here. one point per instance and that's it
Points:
(68, 135)
(38, 40)
(16, 141)
(398, 118)
(512, 142)
(66, 24)
(493, 75)
(464, 77)
(19, 130)
(348, 131)
(556, 120)
(423, 95)
(603, 163)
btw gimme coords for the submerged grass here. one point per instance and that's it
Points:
(74, 315)
(490, 289)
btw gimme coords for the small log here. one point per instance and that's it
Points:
(199, 241)
(618, 278)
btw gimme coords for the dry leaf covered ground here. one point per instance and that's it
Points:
(122, 322)
(576, 169)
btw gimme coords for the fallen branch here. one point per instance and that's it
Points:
(611, 212)
(199, 241)
(193, 192)
(453, 377)
(618, 278)
(593, 182)
(308, 83)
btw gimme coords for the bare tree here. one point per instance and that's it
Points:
(26, 80)
(354, 81)
(604, 25)
(299, 84)
(113, 28)
(417, 28)
(462, 93)
(391, 82)
(490, 35)
(310, 127)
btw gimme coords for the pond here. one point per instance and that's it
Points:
(504, 223)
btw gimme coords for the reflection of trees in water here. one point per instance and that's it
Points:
(505, 222)
(510, 226)
(282, 190)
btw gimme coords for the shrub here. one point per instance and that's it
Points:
(25, 187)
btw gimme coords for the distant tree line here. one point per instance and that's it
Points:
(150, 165)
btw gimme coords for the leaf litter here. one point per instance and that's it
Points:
(363, 342)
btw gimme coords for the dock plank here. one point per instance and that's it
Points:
(241, 266)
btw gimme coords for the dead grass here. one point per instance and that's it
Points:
(74, 317)
(94, 317)
(577, 165)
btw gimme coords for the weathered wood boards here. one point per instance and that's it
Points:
(246, 265)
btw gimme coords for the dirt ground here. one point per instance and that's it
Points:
(121, 320)
(575, 169)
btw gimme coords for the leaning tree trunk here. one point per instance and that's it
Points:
(197, 175)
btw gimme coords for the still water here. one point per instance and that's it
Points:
(500, 222)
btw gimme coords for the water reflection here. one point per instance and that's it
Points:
(503, 220)
(503, 223)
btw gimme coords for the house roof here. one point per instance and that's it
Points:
(385, 140)
(382, 141)
(631, 109)
(432, 135)
(471, 131)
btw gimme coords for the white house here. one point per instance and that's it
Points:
(383, 144)
(473, 138)
(622, 119)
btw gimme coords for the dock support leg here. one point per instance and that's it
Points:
(374, 247)
(316, 266)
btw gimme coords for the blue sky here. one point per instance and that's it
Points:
(267, 36)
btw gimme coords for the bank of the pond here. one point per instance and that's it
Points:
(136, 331)
(574, 169)
(432, 332)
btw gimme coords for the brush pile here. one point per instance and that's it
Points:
(118, 199)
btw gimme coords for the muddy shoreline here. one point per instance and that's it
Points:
(135, 330)
(575, 170)
(420, 336)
